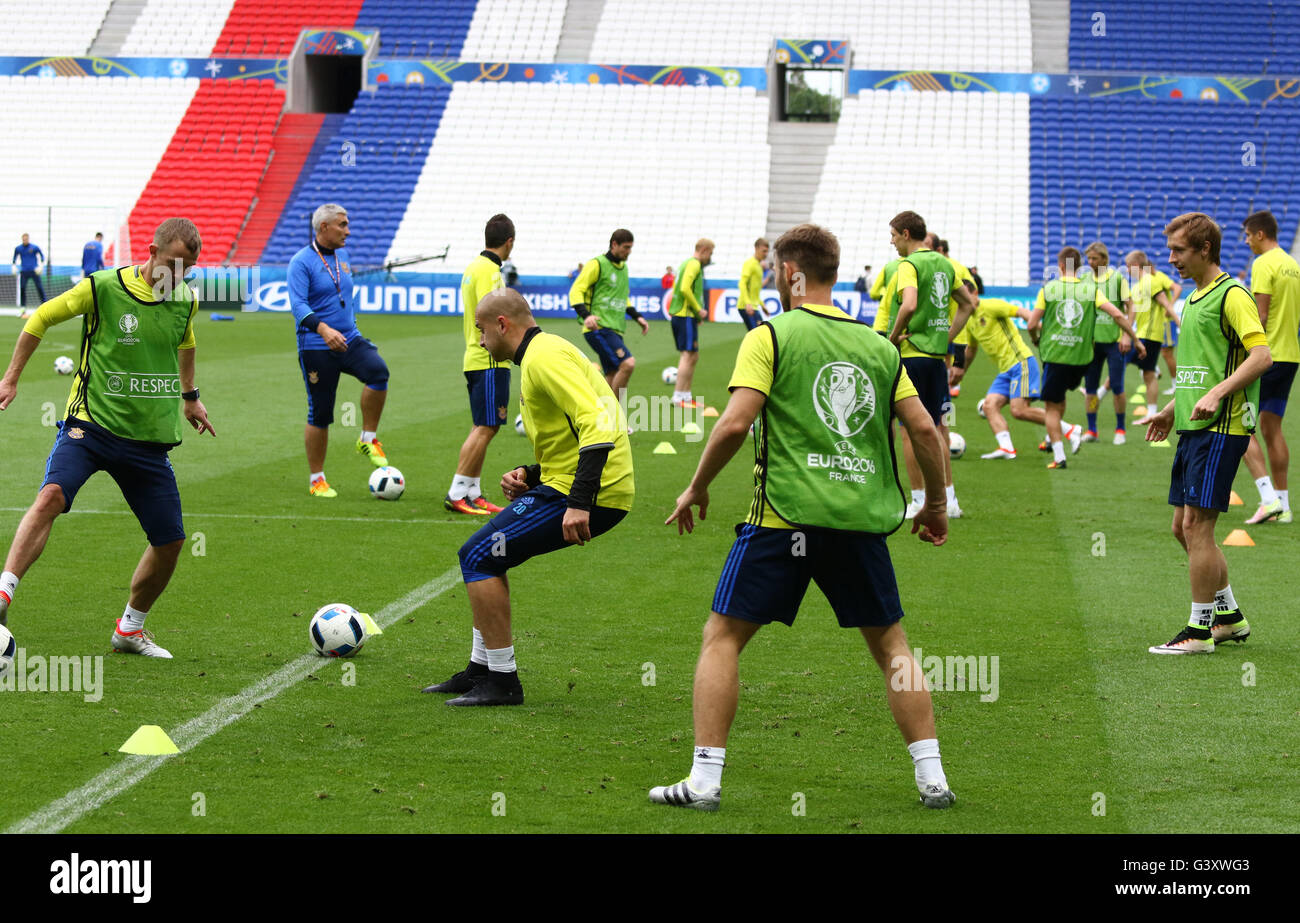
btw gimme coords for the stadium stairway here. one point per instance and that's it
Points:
(798, 155)
(212, 166)
(579, 30)
(294, 139)
(119, 19)
(1049, 20)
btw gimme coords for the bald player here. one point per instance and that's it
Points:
(579, 437)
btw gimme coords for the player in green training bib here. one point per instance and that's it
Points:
(1222, 352)
(134, 379)
(599, 296)
(821, 390)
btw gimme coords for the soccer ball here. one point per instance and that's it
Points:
(386, 483)
(519, 425)
(670, 375)
(979, 408)
(956, 445)
(63, 365)
(7, 648)
(337, 630)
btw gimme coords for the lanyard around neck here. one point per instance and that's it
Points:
(335, 274)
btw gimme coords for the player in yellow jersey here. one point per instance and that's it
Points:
(487, 380)
(687, 309)
(1153, 308)
(580, 487)
(1275, 282)
(1222, 351)
(1019, 379)
(751, 286)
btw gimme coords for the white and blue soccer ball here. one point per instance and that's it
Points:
(519, 425)
(386, 483)
(63, 365)
(337, 630)
(8, 648)
(669, 375)
(956, 445)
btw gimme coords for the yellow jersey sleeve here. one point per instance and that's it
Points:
(75, 301)
(686, 285)
(1040, 303)
(754, 362)
(905, 277)
(877, 286)
(884, 321)
(1243, 317)
(580, 293)
(904, 389)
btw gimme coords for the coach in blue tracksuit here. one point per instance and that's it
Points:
(329, 343)
(30, 257)
(92, 255)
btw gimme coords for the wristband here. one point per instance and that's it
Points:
(190, 395)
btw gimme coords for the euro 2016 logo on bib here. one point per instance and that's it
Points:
(1069, 313)
(940, 290)
(844, 397)
(128, 323)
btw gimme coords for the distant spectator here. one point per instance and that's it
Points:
(509, 274)
(668, 279)
(92, 255)
(31, 259)
(979, 283)
(574, 273)
(864, 280)
(769, 273)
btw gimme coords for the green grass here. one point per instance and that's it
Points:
(1174, 744)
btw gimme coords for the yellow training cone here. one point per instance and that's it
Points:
(372, 627)
(690, 429)
(1239, 537)
(1235, 500)
(665, 448)
(1162, 444)
(150, 740)
(709, 412)
(1137, 399)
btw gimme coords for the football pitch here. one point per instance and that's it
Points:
(1043, 603)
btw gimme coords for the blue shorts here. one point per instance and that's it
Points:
(609, 348)
(1204, 465)
(1108, 354)
(764, 580)
(1171, 334)
(489, 395)
(321, 369)
(750, 319)
(533, 524)
(1059, 379)
(1275, 387)
(1024, 379)
(686, 334)
(929, 374)
(141, 469)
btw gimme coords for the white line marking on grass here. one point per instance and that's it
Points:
(115, 780)
(381, 520)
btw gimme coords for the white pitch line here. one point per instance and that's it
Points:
(378, 520)
(115, 780)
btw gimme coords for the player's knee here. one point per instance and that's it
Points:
(1019, 410)
(50, 502)
(628, 364)
(170, 549)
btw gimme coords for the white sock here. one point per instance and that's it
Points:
(929, 768)
(132, 620)
(918, 497)
(952, 493)
(1004, 441)
(1151, 410)
(678, 396)
(706, 770)
(502, 660)
(1266, 493)
(1285, 497)
(367, 436)
(8, 587)
(1058, 451)
(1224, 600)
(478, 653)
(475, 491)
(317, 476)
(459, 487)
(1202, 615)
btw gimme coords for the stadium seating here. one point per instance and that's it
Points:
(570, 163)
(1118, 170)
(269, 28)
(212, 166)
(972, 35)
(62, 143)
(419, 29)
(499, 33)
(163, 30)
(960, 160)
(63, 28)
(1187, 37)
(391, 131)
